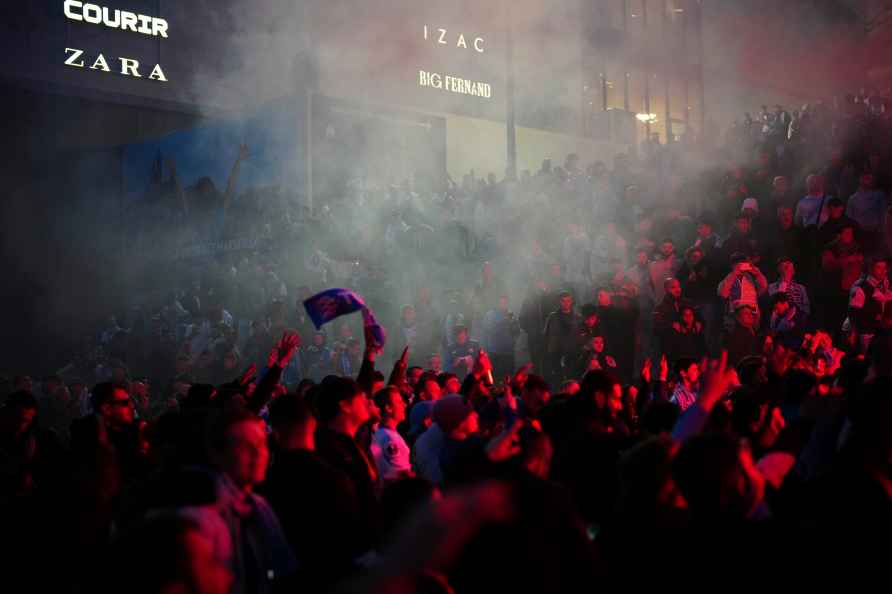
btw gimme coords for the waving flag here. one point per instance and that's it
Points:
(334, 303)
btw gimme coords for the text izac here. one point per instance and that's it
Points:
(115, 19)
(128, 67)
(443, 37)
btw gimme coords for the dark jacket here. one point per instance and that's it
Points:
(343, 453)
(667, 312)
(560, 332)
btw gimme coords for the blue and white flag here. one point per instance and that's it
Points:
(334, 303)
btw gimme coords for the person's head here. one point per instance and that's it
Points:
(354, 348)
(408, 315)
(688, 371)
(847, 234)
(672, 287)
(742, 223)
(750, 207)
(449, 383)
(555, 271)
(345, 332)
(694, 256)
(112, 402)
(867, 181)
(18, 414)
(667, 247)
(535, 395)
(780, 185)
(605, 297)
(566, 301)
(836, 208)
(780, 303)
(342, 401)
(814, 184)
(740, 263)
(292, 420)
(428, 388)
(23, 383)
(461, 334)
(746, 317)
(589, 315)
(435, 363)
(643, 256)
(319, 339)
(238, 447)
(391, 404)
(704, 227)
(503, 303)
(455, 416)
(879, 269)
(785, 269)
(413, 374)
(598, 344)
(688, 317)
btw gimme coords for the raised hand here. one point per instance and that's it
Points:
(664, 369)
(248, 375)
(646, 370)
(283, 351)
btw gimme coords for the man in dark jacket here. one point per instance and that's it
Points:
(667, 315)
(561, 328)
(536, 307)
(741, 341)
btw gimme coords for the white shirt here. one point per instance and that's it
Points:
(391, 454)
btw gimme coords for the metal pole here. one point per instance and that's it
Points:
(511, 169)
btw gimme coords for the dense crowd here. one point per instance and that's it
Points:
(662, 374)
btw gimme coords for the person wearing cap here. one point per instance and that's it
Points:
(561, 328)
(342, 408)
(796, 292)
(454, 419)
(742, 286)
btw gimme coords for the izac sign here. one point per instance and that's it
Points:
(114, 19)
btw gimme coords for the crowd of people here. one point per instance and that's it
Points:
(656, 375)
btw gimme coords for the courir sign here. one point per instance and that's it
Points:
(123, 20)
(114, 18)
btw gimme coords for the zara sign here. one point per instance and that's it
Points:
(113, 19)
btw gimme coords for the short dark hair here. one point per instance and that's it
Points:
(427, 376)
(20, 400)
(290, 409)
(382, 396)
(220, 424)
(445, 377)
(103, 392)
(332, 391)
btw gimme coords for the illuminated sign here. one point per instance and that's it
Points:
(128, 66)
(454, 84)
(114, 19)
(443, 37)
(449, 82)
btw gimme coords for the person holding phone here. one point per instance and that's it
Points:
(742, 287)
